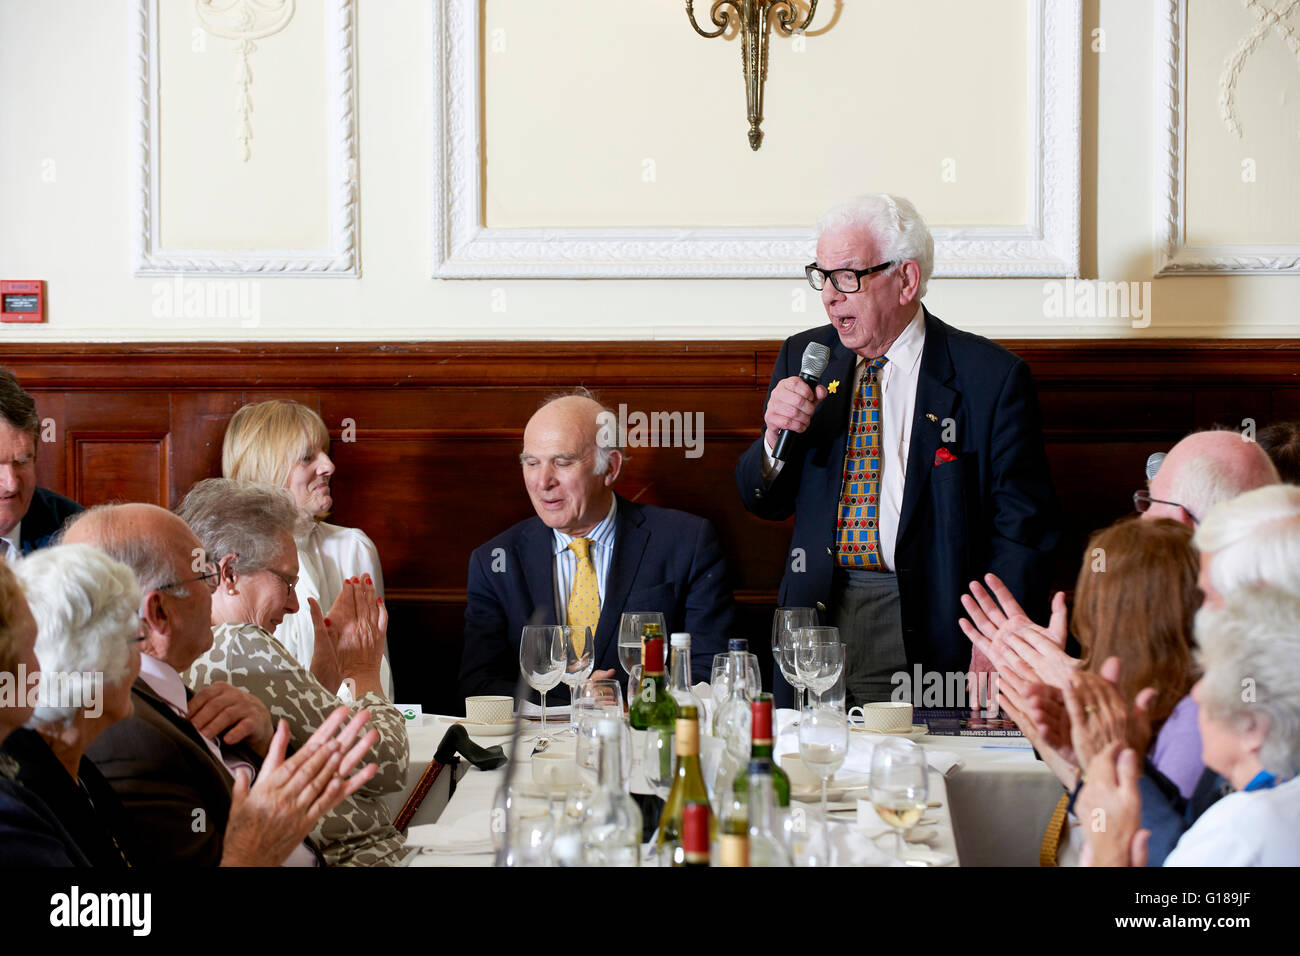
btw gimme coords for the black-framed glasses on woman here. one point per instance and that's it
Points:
(844, 280)
(1142, 502)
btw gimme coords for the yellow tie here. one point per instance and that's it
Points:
(1055, 833)
(584, 595)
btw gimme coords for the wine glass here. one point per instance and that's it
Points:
(786, 620)
(823, 744)
(899, 785)
(630, 627)
(579, 660)
(819, 665)
(659, 756)
(785, 660)
(607, 690)
(541, 659)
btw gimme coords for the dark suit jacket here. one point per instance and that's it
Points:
(991, 509)
(1167, 814)
(45, 516)
(93, 828)
(30, 834)
(664, 560)
(163, 773)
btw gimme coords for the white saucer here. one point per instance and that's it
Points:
(477, 729)
(837, 790)
(914, 732)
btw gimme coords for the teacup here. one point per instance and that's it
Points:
(885, 716)
(797, 771)
(489, 710)
(554, 769)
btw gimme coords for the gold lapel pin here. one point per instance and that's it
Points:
(931, 416)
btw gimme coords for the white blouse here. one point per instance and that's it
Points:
(327, 555)
(1259, 828)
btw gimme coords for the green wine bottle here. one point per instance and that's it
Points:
(695, 835)
(761, 749)
(653, 706)
(688, 787)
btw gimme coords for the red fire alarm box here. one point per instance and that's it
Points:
(22, 301)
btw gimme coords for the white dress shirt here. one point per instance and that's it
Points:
(898, 381)
(327, 554)
(167, 684)
(566, 562)
(12, 541)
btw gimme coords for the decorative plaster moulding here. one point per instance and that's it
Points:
(464, 247)
(1173, 255)
(342, 257)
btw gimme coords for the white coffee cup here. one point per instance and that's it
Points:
(554, 769)
(885, 716)
(797, 771)
(489, 710)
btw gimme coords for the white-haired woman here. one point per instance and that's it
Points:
(286, 444)
(1253, 538)
(247, 531)
(1249, 699)
(85, 607)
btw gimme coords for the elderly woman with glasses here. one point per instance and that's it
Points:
(1249, 701)
(247, 531)
(286, 444)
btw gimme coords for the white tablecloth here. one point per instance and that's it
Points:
(995, 804)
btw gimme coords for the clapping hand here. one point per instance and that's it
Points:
(1000, 629)
(1111, 807)
(273, 816)
(325, 656)
(223, 711)
(1099, 715)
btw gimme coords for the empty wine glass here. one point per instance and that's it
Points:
(818, 665)
(785, 660)
(823, 744)
(658, 756)
(786, 620)
(899, 785)
(541, 659)
(607, 690)
(579, 660)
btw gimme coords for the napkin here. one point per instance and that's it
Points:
(472, 833)
(534, 711)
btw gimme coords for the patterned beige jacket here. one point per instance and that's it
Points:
(359, 831)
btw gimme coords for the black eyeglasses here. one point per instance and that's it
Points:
(844, 280)
(1142, 502)
(289, 582)
(209, 577)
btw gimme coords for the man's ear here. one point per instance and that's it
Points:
(911, 273)
(157, 623)
(615, 466)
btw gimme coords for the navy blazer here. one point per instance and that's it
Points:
(990, 509)
(44, 519)
(664, 560)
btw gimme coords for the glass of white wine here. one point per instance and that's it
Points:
(630, 626)
(899, 785)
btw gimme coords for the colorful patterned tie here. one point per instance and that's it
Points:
(857, 532)
(584, 593)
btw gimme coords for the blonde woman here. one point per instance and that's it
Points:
(287, 445)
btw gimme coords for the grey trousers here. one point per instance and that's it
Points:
(866, 610)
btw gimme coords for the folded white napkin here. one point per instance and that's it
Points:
(471, 833)
(705, 693)
(529, 709)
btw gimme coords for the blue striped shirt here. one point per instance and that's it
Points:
(566, 562)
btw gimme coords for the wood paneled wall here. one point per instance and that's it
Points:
(433, 471)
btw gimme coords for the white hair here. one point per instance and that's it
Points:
(87, 608)
(1253, 538)
(1250, 653)
(893, 222)
(243, 518)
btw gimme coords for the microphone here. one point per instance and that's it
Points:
(1156, 459)
(815, 359)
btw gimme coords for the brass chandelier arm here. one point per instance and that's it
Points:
(786, 13)
(716, 14)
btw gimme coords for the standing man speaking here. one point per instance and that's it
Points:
(915, 465)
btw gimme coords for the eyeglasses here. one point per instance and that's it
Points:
(844, 280)
(289, 582)
(210, 576)
(1142, 502)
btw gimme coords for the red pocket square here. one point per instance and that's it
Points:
(943, 456)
